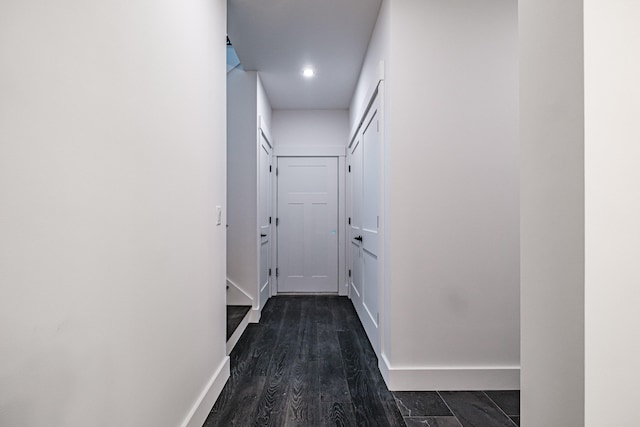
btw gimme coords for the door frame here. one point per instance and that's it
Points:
(316, 151)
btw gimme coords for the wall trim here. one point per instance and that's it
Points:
(235, 337)
(310, 150)
(262, 127)
(239, 290)
(202, 406)
(254, 315)
(343, 290)
(373, 91)
(449, 378)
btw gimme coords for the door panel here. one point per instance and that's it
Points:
(371, 185)
(370, 300)
(320, 238)
(355, 229)
(264, 210)
(370, 214)
(308, 224)
(356, 271)
(365, 179)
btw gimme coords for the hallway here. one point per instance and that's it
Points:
(309, 363)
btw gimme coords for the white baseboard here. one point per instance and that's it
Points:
(254, 315)
(201, 408)
(343, 290)
(236, 296)
(233, 339)
(449, 378)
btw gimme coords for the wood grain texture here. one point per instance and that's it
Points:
(366, 400)
(303, 407)
(331, 376)
(273, 401)
(307, 363)
(335, 413)
(239, 392)
(235, 314)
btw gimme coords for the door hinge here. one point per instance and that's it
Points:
(349, 168)
(276, 171)
(269, 220)
(269, 168)
(277, 272)
(349, 220)
(349, 272)
(269, 272)
(277, 221)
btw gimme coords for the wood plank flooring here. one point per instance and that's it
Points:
(235, 314)
(307, 363)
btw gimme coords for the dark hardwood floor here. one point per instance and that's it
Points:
(309, 363)
(235, 314)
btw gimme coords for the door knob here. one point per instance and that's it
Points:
(358, 238)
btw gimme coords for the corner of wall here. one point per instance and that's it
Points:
(201, 408)
(236, 296)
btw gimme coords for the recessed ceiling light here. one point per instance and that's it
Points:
(308, 72)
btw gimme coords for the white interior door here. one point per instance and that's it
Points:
(307, 224)
(365, 165)
(264, 225)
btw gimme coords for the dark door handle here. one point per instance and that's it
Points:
(358, 238)
(263, 235)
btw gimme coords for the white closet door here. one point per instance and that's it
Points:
(307, 224)
(366, 186)
(264, 210)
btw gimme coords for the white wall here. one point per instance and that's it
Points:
(452, 257)
(579, 215)
(242, 250)
(263, 106)
(246, 103)
(377, 52)
(580, 211)
(112, 130)
(552, 212)
(311, 128)
(612, 207)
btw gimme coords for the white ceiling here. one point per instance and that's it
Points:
(280, 37)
